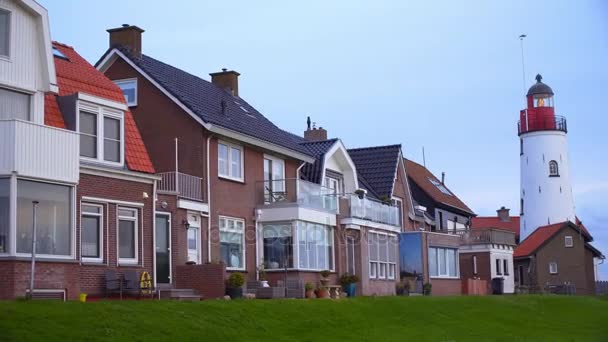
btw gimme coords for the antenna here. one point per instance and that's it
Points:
(423, 158)
(523, 66)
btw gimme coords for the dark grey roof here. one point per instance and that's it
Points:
(377, 165)
(539, 87)
(312, 171)
(206, 100)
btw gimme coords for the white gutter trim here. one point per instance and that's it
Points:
(119, 174)
(102, 101)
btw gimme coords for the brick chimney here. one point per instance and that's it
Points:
(227, 80)
(503, 214)
(314, 133)
(127, 35)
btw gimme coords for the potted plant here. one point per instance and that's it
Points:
(310, 290)
(360, 193)
(322, 292)
(262, 276)
(426, 289)
(325, 277)
(348, 283)
(234, 285)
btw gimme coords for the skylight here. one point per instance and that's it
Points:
(58, 53)
(440, 186)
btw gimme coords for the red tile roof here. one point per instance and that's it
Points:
(536, 239)
(77, 75)
(495, 222)
(421, 176)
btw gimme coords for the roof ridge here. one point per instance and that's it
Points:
(374, 147)
(54, 42)
(318, 141)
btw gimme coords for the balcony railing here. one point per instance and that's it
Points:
(39, 151)
(557, 123)
(296, 191)
(183, 185)
(375, 211)
(485, 236)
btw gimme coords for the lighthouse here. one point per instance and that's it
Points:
(546, 191)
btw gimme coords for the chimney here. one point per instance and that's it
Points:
(127, 35)
(227, 80)
(314, 133)
(443, 178)
(503, 214)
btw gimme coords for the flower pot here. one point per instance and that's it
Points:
(323, 293)
(350, 289)
(234, 292)
(324, 281)
(310, 294)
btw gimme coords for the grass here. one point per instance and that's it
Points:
(508, 318)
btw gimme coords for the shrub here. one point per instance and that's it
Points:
(427, 288)
(235, 280)
(309, 286)
(346, 279)
(325, 273)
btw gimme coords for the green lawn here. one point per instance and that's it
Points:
(508, 318)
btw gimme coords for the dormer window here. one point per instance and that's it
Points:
(129, 89)
(101, 134)
(5, 33)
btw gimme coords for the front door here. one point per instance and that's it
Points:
(163, 249)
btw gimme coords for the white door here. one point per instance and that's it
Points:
(194, 238)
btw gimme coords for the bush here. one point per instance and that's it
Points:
(427, 288)
(325, 273)
(347, 279)
(235, 280)
(309, 286)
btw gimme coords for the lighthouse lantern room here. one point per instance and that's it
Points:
(546, 190)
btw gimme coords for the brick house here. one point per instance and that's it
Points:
(79, 155)
(430, 251)
(557, 257)
(249, 194)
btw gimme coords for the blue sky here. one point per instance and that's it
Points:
(440, 74)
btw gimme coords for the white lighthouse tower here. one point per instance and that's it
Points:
(546, 190)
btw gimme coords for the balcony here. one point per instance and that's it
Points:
(487, 236)
(39, 151)
(552, 123)
(284, 192)
(373, 210)
(182, 185)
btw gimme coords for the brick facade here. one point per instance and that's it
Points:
(207, 279)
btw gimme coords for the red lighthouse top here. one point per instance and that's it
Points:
(540, 114)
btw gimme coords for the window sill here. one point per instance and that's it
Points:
(553, 176)
(128, 263)
(232, 179)
(444, 278)
(92, 262)
(38, 259)
(234, 269)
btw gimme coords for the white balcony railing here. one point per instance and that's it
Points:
(39, 151)
(182, 184)
(307, 194)
(375, 211)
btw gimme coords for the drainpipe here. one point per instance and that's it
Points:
(208, 201)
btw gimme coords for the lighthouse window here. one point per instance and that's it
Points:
(553, 169)
(521, 147)
(543, 101)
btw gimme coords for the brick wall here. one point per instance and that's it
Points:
(207, 279)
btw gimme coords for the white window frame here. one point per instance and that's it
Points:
(498, 265)
(231, 146)
(383, 269)
(128, 81)
(553, 267)
(13, 220)
(327, 185)
(398, 202)
(568, 241)
(456, 262)
(195, 224)
(475, 264)
(352, 248)
(9, 35)
(243, 246)
(134, 218)
(281, 181)
(101, 230)
(101, 113)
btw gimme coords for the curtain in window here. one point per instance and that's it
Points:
(54, 228)
(315, 245)
(14, 105)
(231, 249)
